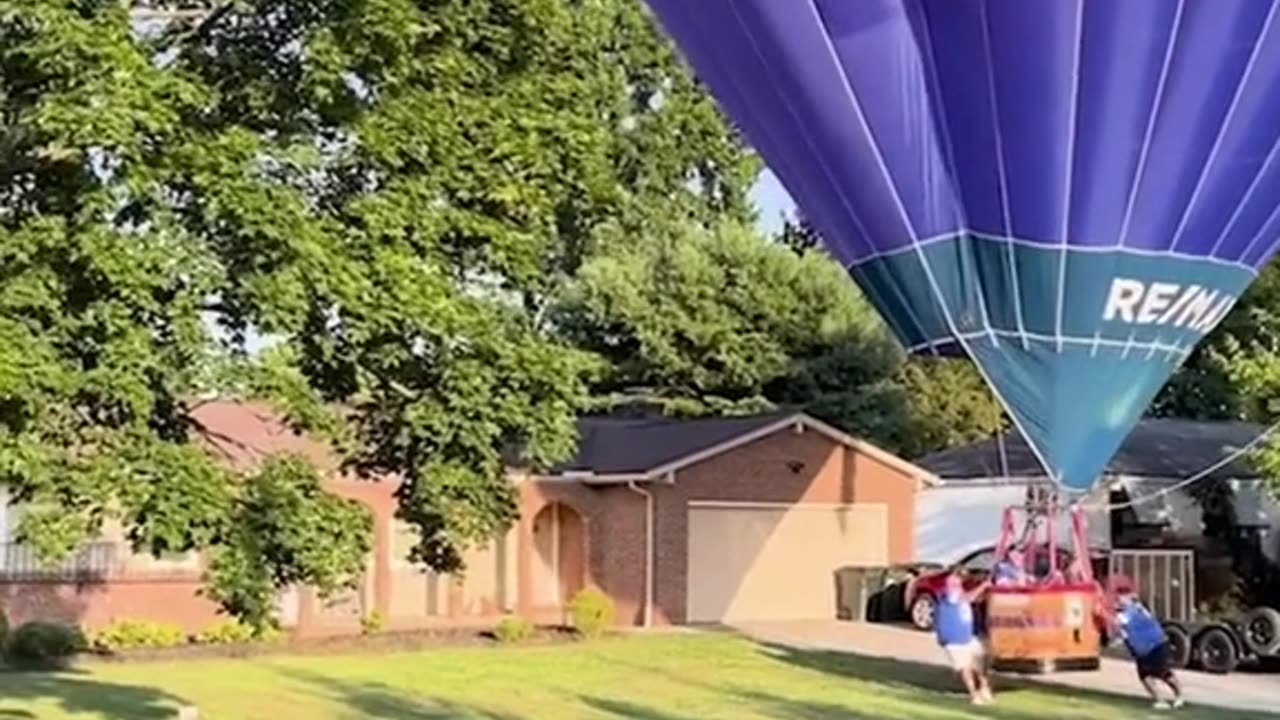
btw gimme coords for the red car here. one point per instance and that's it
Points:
(923, 591)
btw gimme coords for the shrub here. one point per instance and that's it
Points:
(40, 642)
(372, 623)
(592, 612)
(513, 629)
(127, 634)
(234, 632)
(4, 627)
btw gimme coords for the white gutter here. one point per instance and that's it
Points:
(648, 550)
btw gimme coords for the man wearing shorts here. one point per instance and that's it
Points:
(953, 625)
(1149, 646)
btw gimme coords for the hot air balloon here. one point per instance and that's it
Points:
(1071, 192)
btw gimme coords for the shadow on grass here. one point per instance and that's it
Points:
(756, 702)
(378, 700)
(916, 682)
(75, 694)
(796, 709)
(627, 709)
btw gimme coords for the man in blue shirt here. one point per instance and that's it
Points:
(1010, 571)
(953, 625)
(1148, 644)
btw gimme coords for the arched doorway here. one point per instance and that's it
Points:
(559, 565)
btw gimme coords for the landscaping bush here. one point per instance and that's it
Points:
(128, 634)
(591, 612)
(234, 632)
(4, 627)
(372, 623)
(513, 629)
(39, 643)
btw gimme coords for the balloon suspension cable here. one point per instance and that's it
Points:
(1004, 456)
(999, 431)
(1142, 499)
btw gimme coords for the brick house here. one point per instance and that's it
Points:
(678, 521)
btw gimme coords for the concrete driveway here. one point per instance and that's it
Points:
(1242, 691)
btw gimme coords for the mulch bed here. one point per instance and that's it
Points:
(382, 642)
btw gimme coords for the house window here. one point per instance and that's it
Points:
(110, 554)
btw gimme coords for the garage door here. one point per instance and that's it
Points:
(750, 561)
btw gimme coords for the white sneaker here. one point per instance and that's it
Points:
(1160, 705)
(987, 699)
(1179, 703)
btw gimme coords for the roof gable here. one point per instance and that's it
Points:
(612, 449)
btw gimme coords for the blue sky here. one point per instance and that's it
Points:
(772, 200)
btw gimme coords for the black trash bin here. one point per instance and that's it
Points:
(860, 593)
(872, 594)
(890, 601)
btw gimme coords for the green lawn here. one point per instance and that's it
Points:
(659, 677)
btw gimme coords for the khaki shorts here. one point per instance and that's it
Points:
(967, 656)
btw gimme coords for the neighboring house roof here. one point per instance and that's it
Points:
(610, 449)
(245, 433)
(613, 449)
(1161, 448)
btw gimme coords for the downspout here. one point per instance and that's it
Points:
(648, 550)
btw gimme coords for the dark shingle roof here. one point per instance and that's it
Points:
(618, 446)
(1155, 449)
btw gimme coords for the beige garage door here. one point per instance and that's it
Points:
(757, 561)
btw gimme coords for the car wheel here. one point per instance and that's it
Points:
(1262, 631)
(1179, 645)
(922, 609)
(1217, 651)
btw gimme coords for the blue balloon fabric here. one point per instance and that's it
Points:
(1071, 192)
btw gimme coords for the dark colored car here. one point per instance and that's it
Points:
(975, 568)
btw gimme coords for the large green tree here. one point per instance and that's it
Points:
(940, 402)
(948, 405)
(1212, 384)
(391, 189)
(718, 320)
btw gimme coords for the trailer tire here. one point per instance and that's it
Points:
(1179, 645)
(1262, 631)
(1217, 650)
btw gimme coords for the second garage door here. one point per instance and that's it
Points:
(760, 561)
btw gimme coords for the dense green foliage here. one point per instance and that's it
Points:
(704, 320)
(41, 643)
(512, 629)
(693, 319)
(392, 191)
(128, 634)
(591, 612)
(235, 632)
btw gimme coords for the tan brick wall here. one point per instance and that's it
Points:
(786, 467)
(95, 605)
(613, 557)
(873, 481)
(760, 471)
(141, 588)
